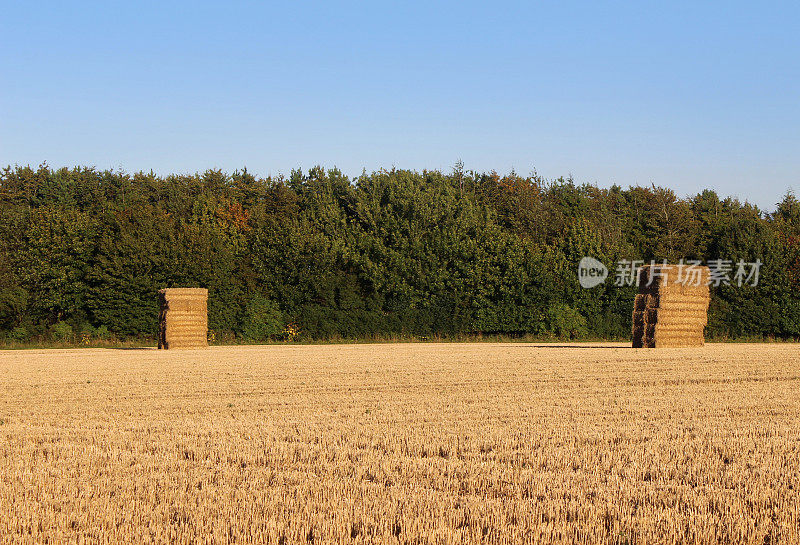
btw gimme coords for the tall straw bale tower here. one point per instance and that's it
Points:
(183, 320)
(671, 308)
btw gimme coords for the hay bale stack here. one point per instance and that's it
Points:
(183, 321)
(671, 308)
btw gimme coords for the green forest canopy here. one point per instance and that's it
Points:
(390, 253)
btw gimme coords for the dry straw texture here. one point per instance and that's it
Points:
(402, 444)
(671, 309)
(183, 321)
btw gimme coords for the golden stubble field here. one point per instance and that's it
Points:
(403, 443)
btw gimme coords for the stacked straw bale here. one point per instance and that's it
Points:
(671, 308)
(183, 321)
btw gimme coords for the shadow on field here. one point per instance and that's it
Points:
(597, 347)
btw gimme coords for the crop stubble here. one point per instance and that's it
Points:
(408, 443)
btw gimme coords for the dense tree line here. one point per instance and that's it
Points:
(390, 253)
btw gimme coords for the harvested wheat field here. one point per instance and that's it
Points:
(406, 443)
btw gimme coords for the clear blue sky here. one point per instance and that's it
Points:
(683, 94)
